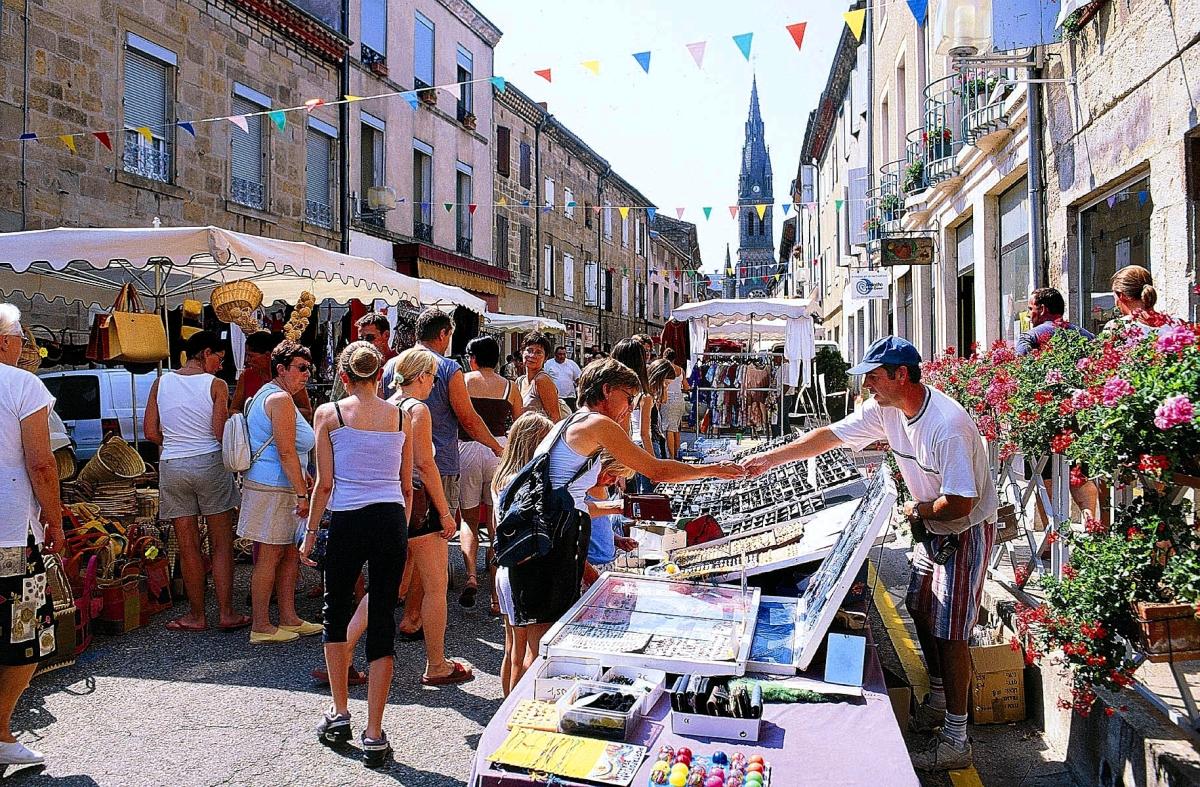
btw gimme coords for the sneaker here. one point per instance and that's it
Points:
(19, 754)
(375, 750)
(942, 755)
(334, 729)
(304, 628)
(279, 635)
(927, 718)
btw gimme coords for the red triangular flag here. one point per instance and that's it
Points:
(797, 31)
(471, 208)
(733, 211)
(104, 138)
(543, 73)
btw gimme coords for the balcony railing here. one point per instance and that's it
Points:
(423, 231)
(464, 246)
(151, 161)
(982, 95)
(318, 213)
(247, 192)
(914, 178)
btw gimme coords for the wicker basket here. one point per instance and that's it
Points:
(116, 460)
(233, 302)
(65, 458)
(30, 358)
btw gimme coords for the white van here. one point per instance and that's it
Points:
(94, 402)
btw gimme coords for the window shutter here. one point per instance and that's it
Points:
(317, 175)
(246, 162)
(145, 93)
(502, 241)
(526, 179)
(568, 277)
(503, 141)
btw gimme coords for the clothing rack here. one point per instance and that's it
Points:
(772, 360)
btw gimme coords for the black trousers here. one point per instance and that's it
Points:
(376, 535)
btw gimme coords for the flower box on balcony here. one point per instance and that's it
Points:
(379, 68)
(428, 97)
(469, 121)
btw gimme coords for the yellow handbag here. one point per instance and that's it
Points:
(134, 335)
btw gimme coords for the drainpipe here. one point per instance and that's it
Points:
(344, 139)
(537, 212)
(25, 121)
(599, 257)
(1038, 269)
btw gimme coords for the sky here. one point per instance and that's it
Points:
(676, 132)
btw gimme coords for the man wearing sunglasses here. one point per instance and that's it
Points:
(374, 328)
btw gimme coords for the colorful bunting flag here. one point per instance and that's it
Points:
(503, 201)
(697, 50)
(499, 83)
(1142, 197)
(188, 127)
(837, 204)
(762, 211)
(28, 136)
(547, 207)
(350, 99)
(525, 203)
(313, 103)
(279, 117)
(449, 206)
(593, 66)
(1112, 200)
(145, 133)
(411, 97)
(69, 141)
(707, 213)
(624, 211)
(643, 59)
(426, 206)
(786, 207)
(104, 138)
(733, 211)
(240, 122)
(471, 208)
(919, 9)
(743, 42)
(544, 73)
(651, 213)
(797, 31)
(856, 19)
(679, 213)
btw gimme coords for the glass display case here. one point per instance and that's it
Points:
(659, 623)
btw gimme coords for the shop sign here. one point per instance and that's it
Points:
(906, 251)
(866, 285)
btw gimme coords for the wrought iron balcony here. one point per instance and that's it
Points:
(914, 176)
(247, 192)
(463, 245)
(960, 109)
(318, 213)
(890, 195)
(152, 161)
(423, 231)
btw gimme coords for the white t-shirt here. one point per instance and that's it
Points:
(939, 452)
(565, 375)
(21, 395)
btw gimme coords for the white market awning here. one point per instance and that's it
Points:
(170, 264)
(520, 323)
(719, 311)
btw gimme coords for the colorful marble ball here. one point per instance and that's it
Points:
(674, 767)
(756, 758)
(720, 758)
(714, 781)
(733, 781)
(678, 780)
(666, 753)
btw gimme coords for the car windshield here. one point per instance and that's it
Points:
(77, 397)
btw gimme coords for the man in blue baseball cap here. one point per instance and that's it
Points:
(944, 463)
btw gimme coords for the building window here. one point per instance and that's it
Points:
(374, 31)
(466, 88)
(526, 169)
(549, 192)
(525, 258)
(587, 215)
(590, 273)
(1113, 232)
(548, 270)
(248, 181)
(607, 220)
(372, 133)
(608, 290)
(654, 301)
(904, 297)
(964, 239)
(568, 203)
(640, 297)
(501, 252)
(1014, 261)
(503, 154)
(637, 237)
(625, 231)
(422, 191)
(319, 177)
(148, 105)
(462, 194)
(624, 295)
(422, 53)
(569, 277)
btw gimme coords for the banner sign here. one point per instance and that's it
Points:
(865, 285)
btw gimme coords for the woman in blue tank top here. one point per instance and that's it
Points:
(364, 478)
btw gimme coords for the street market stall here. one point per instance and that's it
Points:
(517, 323)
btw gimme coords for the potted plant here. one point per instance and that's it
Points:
(938, 140)
(428, 96)
(871, 227)
(914, 176)
(469, 121)
(891, 206)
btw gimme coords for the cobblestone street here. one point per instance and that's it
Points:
(155, 707)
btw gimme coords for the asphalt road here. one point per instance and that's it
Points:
(155, 707)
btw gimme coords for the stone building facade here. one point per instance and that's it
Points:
(575, 234)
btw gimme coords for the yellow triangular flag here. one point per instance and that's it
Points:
(624, 211)
(146, 135)
(762, 211)
(856, 19)
(503, 201)
(592, 65)
(69, 141)
(351, 99)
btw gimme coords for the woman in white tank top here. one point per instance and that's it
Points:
(185, 416)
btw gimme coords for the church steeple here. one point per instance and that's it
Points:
(729, 283)
(755, 188)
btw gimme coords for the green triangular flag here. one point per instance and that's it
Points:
(449, 206)
(837, 204)
(707, 213)
(279, 117)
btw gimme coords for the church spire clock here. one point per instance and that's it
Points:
(755, 254)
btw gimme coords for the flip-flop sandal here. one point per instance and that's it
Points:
(241, 624)
(458, 674)
(495, 608)
(355, 678)
(411, 636)
(467, 597)
(179, 625)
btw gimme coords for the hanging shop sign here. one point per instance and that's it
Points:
(906, 251)
(866, 285)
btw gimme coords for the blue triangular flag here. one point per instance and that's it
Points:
(1112, 200)
(187, 126)
(27, 136)
(500, 83)
(743, 42)
(786, 207)
(643, 59)
(1142, 197)
(411, 97)
(525, 203)
(547, 208)
(919, 9)
(651, 213)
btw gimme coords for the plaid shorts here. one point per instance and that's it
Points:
(949, 596)
(26, 608)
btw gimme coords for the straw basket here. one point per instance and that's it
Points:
(234, 301)
(30, 358)
(65, 458)
(116, 460)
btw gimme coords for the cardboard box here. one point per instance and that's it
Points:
(655, 542)
(901, 696)
(998, 691)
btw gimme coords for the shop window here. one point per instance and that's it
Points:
(1014, 261)
(1114, 232)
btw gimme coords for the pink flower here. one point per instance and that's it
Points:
(1054, 377)
(1115, 390)
(1081, 400)
(1174, 411)
(1083, 363)
(1176, 339)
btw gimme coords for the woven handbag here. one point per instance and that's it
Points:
(66, 617)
